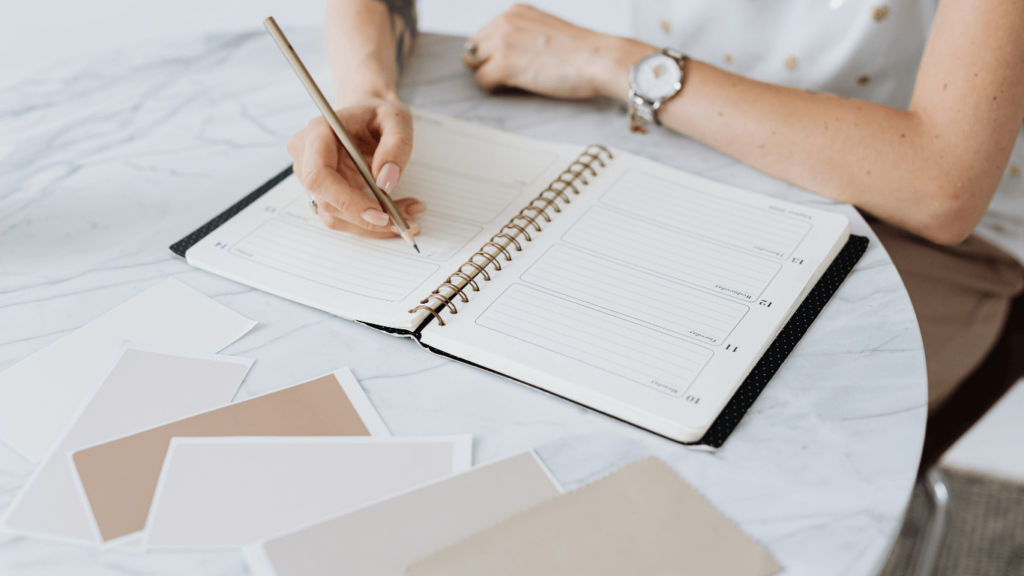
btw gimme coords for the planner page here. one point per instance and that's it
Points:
(472, 179)
(650, 297)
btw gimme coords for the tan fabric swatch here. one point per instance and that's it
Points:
(642, 519)
(120, 476)
(383, 538)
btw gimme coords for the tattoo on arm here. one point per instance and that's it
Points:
(403, 28)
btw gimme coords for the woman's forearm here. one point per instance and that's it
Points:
(875, 157)
(931, 169)
(368, 42)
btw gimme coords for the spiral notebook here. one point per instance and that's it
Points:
(637, 290)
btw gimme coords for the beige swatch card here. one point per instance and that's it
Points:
(119, 477)
(383, 538)
(144, 387)
(642, 519)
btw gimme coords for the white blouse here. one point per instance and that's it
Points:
(866, 49)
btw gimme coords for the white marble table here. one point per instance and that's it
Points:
(103, 164)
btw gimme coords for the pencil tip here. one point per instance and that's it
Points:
(408, 237)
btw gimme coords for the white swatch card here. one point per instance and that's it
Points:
(41, 394)
(227, 492)
(144, 386)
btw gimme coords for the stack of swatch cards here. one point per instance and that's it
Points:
(510, 517)
(139, 443)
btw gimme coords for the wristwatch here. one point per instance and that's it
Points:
(653, 80)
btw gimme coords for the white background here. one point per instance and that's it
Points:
(42, 33)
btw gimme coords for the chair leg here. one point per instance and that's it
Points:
(938, 493)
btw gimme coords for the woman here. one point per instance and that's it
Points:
(819, 94)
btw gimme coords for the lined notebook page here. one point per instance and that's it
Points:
(661, 303)
(604, 340)
(470, 178)
(705, 215)
(651, 297)
(457, 196)
(334, 260)
(684, 256)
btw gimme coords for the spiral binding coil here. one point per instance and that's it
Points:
(519, 226)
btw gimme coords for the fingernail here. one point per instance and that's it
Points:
(375, 217)
(388, 177)
(417, 207)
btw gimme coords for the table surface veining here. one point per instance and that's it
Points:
(105, 163)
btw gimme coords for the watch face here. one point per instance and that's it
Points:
(656, 77)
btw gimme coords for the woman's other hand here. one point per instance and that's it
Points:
(382, 129)
(532, 50)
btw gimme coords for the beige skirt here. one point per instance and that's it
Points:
(961, 295)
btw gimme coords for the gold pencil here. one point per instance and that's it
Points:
(339, 130)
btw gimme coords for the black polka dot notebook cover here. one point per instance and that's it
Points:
(784, 343)
(181, 246)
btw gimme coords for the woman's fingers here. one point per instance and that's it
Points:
(337, 223)
(383, 130)
(490, 59)
(535, 51)
(395, 146)
(470, 59)
(504, 48)
(473, 59)
(320, 176)
(334, 219)
(409, 208)
(413, 206)
(491, 75)
(483, 41)
(296, 147)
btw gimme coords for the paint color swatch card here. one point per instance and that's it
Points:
(227, 492)
(642, 519)
(41, 394)
(383, 538)
(144, 387)
(118, 478)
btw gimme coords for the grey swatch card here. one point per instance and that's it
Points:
(383, 538)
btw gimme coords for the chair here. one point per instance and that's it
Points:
(1003, 367)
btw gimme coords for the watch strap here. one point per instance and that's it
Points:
(641, 114)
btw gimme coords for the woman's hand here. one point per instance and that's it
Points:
(382, 129)
(532, 50)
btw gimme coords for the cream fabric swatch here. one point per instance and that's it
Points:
(119, 477)
(145, 387)
(383, 538)
(642, 519)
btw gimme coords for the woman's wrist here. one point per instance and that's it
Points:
(351, 94)
(369, 81)
(613, 57)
